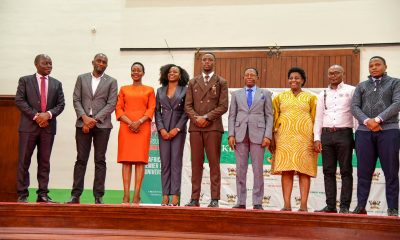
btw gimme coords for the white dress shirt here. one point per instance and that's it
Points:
(95, 84)
(334, 109)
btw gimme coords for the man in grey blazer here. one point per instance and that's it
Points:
(95, 97)
(40, 98)
(250, 124)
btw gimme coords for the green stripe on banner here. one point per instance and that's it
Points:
(228, 156)
(63, 195)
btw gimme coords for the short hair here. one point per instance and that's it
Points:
(379, 57)
(40, 56)
(164, 70)
(300, 71)
(138, 63)
(212, 54)
(100, 54)
(253, 68)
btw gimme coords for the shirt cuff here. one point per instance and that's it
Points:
(51, 116)
(365, 121)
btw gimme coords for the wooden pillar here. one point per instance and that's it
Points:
(9, 122)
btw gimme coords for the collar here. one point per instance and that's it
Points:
(254, 88)
(38, 76)
(96, 77)
(339, 86)
(210, 75)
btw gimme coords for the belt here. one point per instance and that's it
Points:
(334, 129)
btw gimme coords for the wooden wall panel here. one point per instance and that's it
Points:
(273, 68)
(9, 118)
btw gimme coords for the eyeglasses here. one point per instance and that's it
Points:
(250, 75)
(334, 73)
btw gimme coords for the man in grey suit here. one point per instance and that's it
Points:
(250, 124)
(95, 97)
(40, 99)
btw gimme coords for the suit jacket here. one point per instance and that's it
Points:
(170, 113)
(27, 100)
(102, 102)
(258, 119)
(210, 99)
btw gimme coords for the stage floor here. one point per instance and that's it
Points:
(117, 221)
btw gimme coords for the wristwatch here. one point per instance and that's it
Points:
(178, 129)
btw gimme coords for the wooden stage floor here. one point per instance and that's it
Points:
(88, 221)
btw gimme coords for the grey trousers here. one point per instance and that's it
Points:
(243, 149)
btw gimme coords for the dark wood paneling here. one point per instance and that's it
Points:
(9, 119)
(273, 69)
(268, 224)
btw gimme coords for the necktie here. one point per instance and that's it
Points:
(249, 97)
(376, 83)
(43, 94)
(206, 78)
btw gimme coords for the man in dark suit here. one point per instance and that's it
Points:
(250, 131)
(95, 97)
(40, 99)
(206, 101)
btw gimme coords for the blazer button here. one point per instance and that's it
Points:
(208, 100)
(201, 101)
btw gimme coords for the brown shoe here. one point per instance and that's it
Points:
(174, 201)
(165, 200)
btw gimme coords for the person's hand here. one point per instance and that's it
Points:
(201, 122)
(272, 146)
(232, 142)
(373, 126)
(42, 119)
(89, 121)
(317, 146)
(85, 129)
(266, 142)
(173, 132)
(164, 134)
(134, 126)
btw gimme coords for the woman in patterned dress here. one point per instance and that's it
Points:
(135, 109)
(292, 148)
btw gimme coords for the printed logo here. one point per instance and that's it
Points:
(375, 176)
(231, 171)
(266, 200)
(231, 198)
(267, 172)
(375, 204)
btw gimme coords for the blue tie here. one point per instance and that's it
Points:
(249, 98)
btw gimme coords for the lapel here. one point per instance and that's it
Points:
(201, 83)
(164, 98)
(50, 91)
(211, 83)
(177, 95)
(88, 82)
(101, 85)
(243, 97)
(35, 84)
(257, 97)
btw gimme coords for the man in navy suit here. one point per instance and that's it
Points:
(40, 99)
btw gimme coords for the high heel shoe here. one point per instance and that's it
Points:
(174, 201)
(125, 200)
(165, 200)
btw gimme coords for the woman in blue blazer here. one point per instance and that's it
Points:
(171, 122)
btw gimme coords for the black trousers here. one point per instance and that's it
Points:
(100, 137)
(27, 144)
(337, 147)
(369, 147)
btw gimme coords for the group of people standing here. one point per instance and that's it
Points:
(294, 125)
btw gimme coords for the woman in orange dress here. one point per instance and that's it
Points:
(134, 110)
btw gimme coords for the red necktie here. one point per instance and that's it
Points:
(207, 78)
(43, 94)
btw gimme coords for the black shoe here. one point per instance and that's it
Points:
(213, 203)
(98, 200)
(344, 210)
(359, 210)
(327, 210)
(22, 199)
(258, 207)
(193, 203)
(44, 199)
(393, 212)
(241, 206)
(73, 200)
